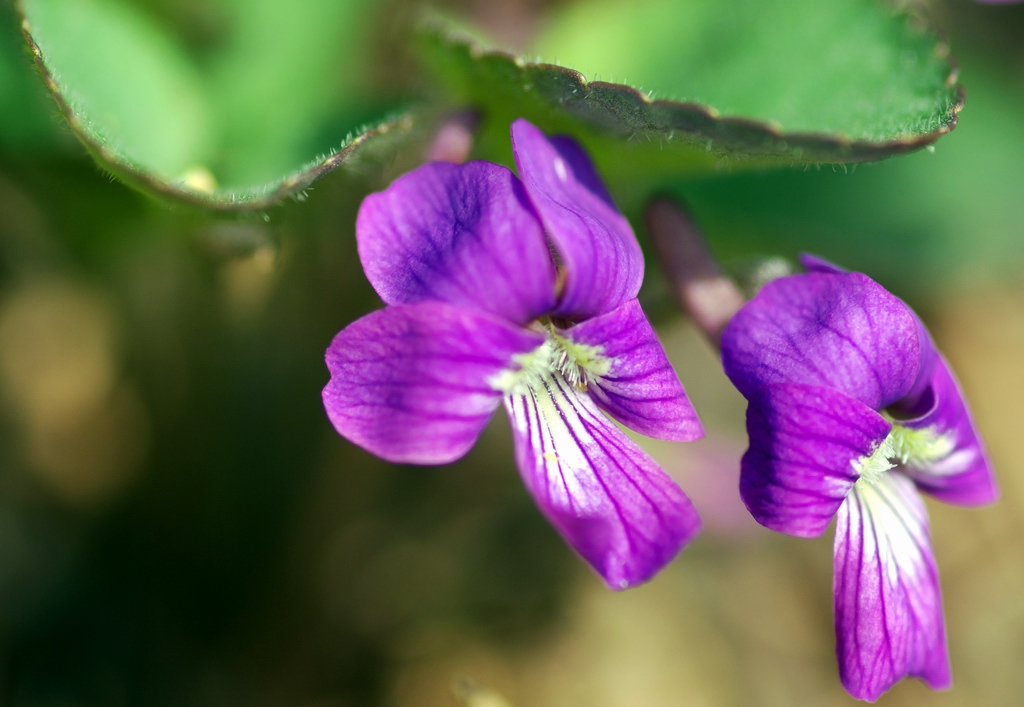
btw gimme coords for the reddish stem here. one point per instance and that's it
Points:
(454, 139)
(699, 285)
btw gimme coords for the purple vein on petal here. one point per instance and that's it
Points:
(641, 389)
(604, 495)
(603, 261)
(841, 331)
(462, 234)
(413, 383)
(804, 442)
(965, 475)
(888, 605)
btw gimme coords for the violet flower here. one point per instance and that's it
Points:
(852, 411)
(523, 292)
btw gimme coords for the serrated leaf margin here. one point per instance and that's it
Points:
(630, 113)
(259, 198)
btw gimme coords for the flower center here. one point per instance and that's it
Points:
(579, 364)
(906, 447)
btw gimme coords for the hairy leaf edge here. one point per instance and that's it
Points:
(700, 125)
(257, 198)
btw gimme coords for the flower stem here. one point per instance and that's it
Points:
(698, 284)
(454, 139)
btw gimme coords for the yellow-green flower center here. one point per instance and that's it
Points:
(579, 364)
(903, 446)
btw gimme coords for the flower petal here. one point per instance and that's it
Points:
(606, 497)
(842, 331)
(813, 263)
(888, 604)
(462, 234)
(926, 346)
(804, 441)
(964, 475)
(411, 384)
(928, 357)
(603, 262)
(640, 388)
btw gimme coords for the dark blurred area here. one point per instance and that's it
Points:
(179, 523)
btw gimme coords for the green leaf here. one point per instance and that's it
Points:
(758, 81)
(926, 222)
(125, 83)
(283, 86)
(286, 70)
(27, 120)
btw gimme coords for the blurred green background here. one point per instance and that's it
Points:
(179, 524)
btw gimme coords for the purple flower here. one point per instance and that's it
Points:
(852, 411)
(522, 291)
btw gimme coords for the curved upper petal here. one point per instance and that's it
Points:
(413, 383)
(841, 331)
(463, 234)
(887, 600)
(610, 501)
(603, 263)
(636, 383)
(963, 474)
(804, 442)
(926, 347)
